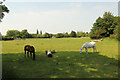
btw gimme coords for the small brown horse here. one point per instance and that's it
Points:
(30, 49)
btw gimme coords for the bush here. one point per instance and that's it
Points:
(59, 35)
(118, 38)
(96, 35)
(112, 36)
(7, 38)
(47, 35)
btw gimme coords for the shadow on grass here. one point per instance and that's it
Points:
(65, 64)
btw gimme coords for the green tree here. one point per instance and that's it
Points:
(82, 34)
(13, 33)
(3, 10)
(39, 36)
(117, 29)
(37, 31)
(73, 34)
(25, 34)
(46, 35)
(78, 34)
(59, 35)
(51, 35)
(66, 34)
(97, 34)
(104, 26)
(41, 32)
(108, 20)
(34, 35)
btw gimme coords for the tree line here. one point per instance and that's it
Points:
(24, 34)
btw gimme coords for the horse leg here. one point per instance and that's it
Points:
(28, 53)
(25, 53)
(86, 50)
(94, 49)
(33, 55)
(46, 52)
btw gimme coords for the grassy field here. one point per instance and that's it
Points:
(66, 62)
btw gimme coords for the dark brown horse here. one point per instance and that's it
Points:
(30, 49)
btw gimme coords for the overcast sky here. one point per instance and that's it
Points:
(55, 17)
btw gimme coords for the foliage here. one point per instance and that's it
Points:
(66, 34)
(37, 31)
(13, 33)
(97, 34)
(39, 36)
(7, 38)
(47, 35)
(3, 10)
(73, 34)
(112, 36)
(117, 29)
(104, 26)
(59, 35)
(25, 34)
(34, 35)
(41, 32)
(18, 34)
(82, 34)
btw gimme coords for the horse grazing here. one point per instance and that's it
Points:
(30, 49)
(88, 45)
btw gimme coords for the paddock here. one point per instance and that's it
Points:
(67, 62)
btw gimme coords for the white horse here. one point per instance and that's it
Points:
(88, 45)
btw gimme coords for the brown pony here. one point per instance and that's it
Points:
(30, 49)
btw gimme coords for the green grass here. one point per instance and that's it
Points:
(66, 62)
(109, 47)
(62, 65)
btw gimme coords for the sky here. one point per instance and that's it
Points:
(55, 16)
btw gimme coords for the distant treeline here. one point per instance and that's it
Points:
(15, 34)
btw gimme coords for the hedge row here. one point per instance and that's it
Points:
(7, 38)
